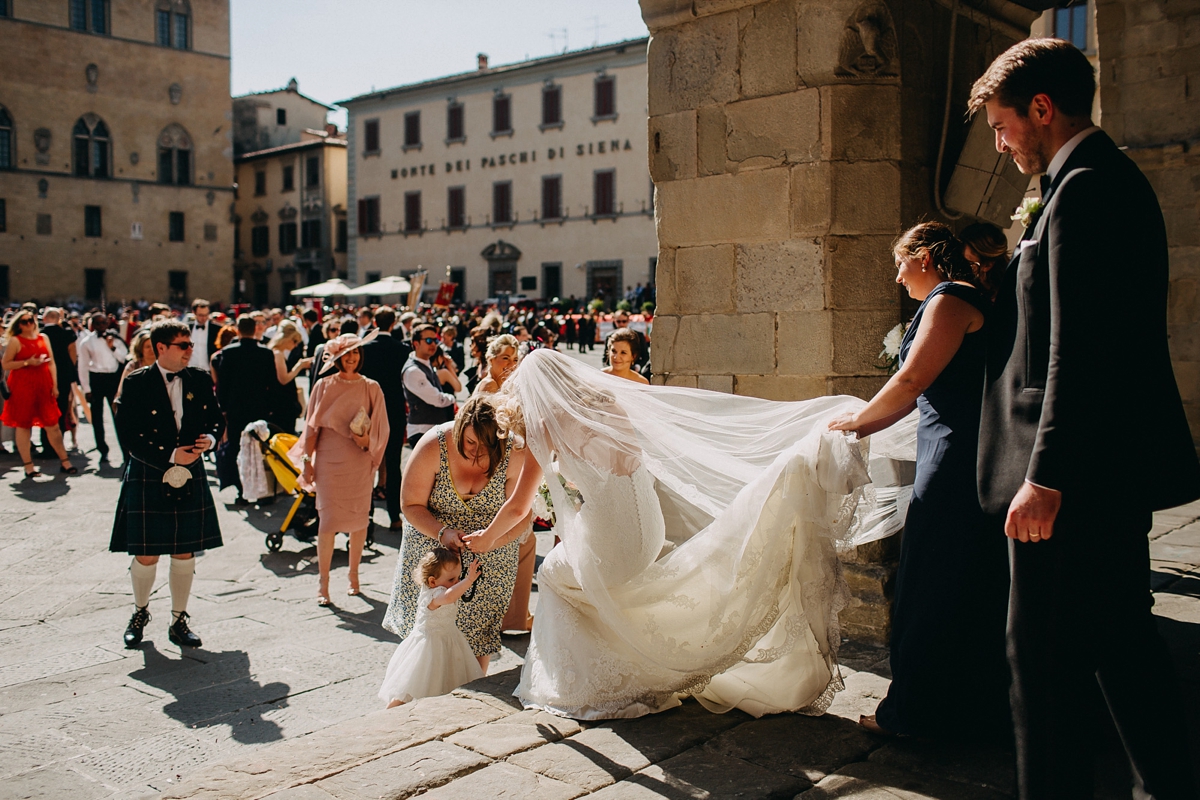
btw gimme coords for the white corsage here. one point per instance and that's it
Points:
(890, 355)
(1028, 209)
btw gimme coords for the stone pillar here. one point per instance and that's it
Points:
(790, 142)
(1149, 54)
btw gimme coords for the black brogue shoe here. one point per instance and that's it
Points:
(180, 634)
(137, 623)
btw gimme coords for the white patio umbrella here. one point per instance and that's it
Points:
(334, 287)
(392, 284)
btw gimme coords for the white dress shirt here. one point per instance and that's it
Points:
(200, 346)
(1065, 151)
(175, 392)
(96, 356)
(418, 383)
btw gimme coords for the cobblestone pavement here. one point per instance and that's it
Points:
(281, 700)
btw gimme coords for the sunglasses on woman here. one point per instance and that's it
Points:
(27, 321)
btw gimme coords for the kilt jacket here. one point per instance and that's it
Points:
(146, 421)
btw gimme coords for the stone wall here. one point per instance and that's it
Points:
(1149, 62)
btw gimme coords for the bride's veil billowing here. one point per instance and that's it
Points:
(740, 608)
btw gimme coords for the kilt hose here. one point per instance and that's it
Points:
(149, 524)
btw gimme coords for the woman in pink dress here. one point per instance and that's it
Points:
(345, 434)
(32, 380)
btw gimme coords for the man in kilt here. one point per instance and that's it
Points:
(168, 416)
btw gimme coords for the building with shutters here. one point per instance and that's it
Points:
(116, 159)
(524, 179)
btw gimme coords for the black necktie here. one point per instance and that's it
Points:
(171, 376)
(1044, 182)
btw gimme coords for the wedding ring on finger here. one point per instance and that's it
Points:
(1035, 537)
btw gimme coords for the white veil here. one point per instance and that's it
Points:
(740, 608)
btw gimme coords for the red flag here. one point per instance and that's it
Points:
(445, 295)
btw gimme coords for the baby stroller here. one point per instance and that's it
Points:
(304, 509)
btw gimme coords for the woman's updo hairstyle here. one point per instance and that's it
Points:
(480, 414)
(499, 343)
(944, 249)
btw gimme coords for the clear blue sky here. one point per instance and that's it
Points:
(340, 49)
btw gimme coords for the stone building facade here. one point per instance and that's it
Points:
(262, 120)
(121, 186)
(290, 217)
(526, 179)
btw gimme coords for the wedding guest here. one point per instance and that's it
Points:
(383, 362)
(1072, 464)
(456, 480)
(63, 348)
(316, 336)
(436, 658)
(366, 321)
(478, 344)
(951, 588)
(501, 358)
(345, 434)
(453, 347)
(285, 400)
(623, 345)
(33, 390)
(986, 247)
(141, 354)
(428, 404)
(102, 356)
(204, 335)
(245, 382)
(621, 323)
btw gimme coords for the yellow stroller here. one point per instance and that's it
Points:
(304, 509)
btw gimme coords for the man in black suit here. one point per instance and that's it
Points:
(316, 337)
(1083, 435)
(204, 335)
(167, 416)
(245, 377)
(383, 362)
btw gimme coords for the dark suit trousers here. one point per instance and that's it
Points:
(391, 461)
(1080, 619)
(104, 387)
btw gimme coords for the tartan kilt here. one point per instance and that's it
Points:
(148, 524)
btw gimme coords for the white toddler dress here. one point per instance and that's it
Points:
(434, 659)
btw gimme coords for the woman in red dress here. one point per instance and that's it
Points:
(33, 388)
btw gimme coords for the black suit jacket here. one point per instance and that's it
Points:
(246, 382)
(315, 340)
(212, 329)
(1079, 393)
(146, 421)
(383, 361)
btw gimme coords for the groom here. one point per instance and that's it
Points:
(1083, 435)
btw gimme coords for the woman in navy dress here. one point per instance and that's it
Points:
(949, 672)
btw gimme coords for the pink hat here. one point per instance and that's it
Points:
(336, 348)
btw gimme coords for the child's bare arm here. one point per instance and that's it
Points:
(457, 590)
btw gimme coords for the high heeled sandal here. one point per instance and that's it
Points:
(30, 475)
(67, 468)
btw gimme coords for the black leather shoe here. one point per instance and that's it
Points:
(133, 634)
(180, 634)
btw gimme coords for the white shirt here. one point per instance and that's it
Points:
(418, 383)
(1065, 151)
(96, 356)
(200, 346)
(175, 392)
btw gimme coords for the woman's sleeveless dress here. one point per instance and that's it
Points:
(32, 404)
(478, 618)
(951, 595)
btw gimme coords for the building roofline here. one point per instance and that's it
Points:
(286, 91)
(284, 148)
(504, 69)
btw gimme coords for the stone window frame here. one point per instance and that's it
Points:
(173, 13)
(495, 132)
(311, 182)
(604, 77)
(260, 235)
(81, 16)
(289, 237)
(415, 145)
(93, 227)
(8, 139)
(562, 213)
(99, 141)
(365, 205)
(173, 141)
(547, 266)
(596, 213)
(311, 234)
(260, 182)
(407, 228)
(453, 104)
(463, 224)
(176, 226)
(287, 178)
(367, 127)
(549, 86)
(97, 272)
(496, 221)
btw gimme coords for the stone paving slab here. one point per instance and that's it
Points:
(793, 744)
(867, 781)
(590, 760)
(702, 773)
(405, 773)
(524, 730)
(505, 781)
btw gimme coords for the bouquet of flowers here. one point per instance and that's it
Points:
(543, 504)
(890, 355)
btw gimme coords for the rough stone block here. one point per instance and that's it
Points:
(818, 31)
(860, 122)
(862, 387)
(715, 383)
(504, 782)
(405, 773)
(662, 354)
(768, 48)
(866, 197)
(805, 343)
(868, 580)
(1140, 40)
(867, 620)
(866, 781)
(495, 690)
(723, 343)
(522, 731)
(769, 131)
(862, 694)
(309, 792)
(593, 759)
(862, 273)
(710, 140)
(704, 279)
(780, 387)
(987, 767)
(752, 206)
(701, 773)
(686, 381)
(664, 276)
(694, 64)
(1168, 92)
(1183, 302)
(780, 276)
(858, 338)
(672, 146)
(703, 8)
(676, 730)
(812, 198)
(816, 746)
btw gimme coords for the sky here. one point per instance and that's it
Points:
(337, 50)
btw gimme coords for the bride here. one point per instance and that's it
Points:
(702, 557)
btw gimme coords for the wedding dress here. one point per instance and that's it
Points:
(702, 559)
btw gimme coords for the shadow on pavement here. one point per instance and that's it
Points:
(44, 489)
(214, 693)
(368, 623)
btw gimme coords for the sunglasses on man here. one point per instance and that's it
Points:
(185, 346)
(428, 340)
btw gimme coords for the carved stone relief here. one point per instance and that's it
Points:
(175, 92)
(41, 143)
(868, 46)
(259, 217)
(134, 158)
(92, 73)
(288, 212)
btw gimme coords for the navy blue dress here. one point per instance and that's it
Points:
(949, 671)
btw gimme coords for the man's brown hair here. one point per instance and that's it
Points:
(1052, 67)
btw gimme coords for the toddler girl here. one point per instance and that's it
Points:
(435, 658)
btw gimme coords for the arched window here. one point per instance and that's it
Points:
(175, 156)
(173, 24)
(92, 147)
(6, 140)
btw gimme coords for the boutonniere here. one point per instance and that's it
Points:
(190, 396)
(1030, 207)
